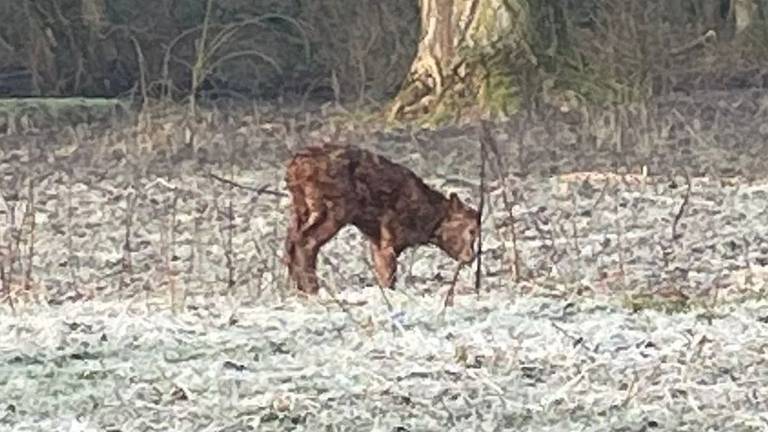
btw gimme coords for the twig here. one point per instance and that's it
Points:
(343, 305)
(200, 56)
(16, 234)
(9, 259)
(259, 190)
(127, 265)
(620, 252)
(6, 282)
(481, 205)
(230, 260)
(259, 271)
(491, 143)
(195, 259)
(632, 389)
(142, 71)
(706, 38)
(683, 205)
(572, 220)
(449, 296)
(31, 212)
(577, 340)
(600, 197)
(70, 243)
(169, 254)
(390, 308)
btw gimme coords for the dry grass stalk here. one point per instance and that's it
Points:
(71, 257)
(30, 212)
(264, 189)
(5, 281)
(683, 205)
(127, 260)
(229, 253)
(489, 141)
(332, 290)
(8, 255)
(177, 302)
(211, 51)
(481, 206)
(451, 293)
(620, 246)
(16, 284)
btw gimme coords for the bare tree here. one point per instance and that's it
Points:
(466, 48)
(486, 54)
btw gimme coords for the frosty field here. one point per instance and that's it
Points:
(148, 295)
(493, 364)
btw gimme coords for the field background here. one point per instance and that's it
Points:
(148, 292)
(143, 214)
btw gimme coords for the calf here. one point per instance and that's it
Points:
(333, 186)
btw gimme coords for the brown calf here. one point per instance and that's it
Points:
(333, 186)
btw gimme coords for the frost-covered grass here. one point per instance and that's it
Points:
(617, 324)
(496, 363)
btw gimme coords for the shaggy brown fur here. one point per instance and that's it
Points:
(333, 186)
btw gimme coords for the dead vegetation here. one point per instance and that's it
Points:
(161, 200)
(358, 53)
(353, 51)
(193, 208)
(602, 222)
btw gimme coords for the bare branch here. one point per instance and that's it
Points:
(259, 190)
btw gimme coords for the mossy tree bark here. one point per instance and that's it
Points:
(472, 53)
(728, 18)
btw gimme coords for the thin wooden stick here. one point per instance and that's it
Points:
(500, 171)
(483, 143)
(259, 190)
(681, 210)
(448, 301)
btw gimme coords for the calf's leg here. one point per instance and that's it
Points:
(306, 248)
(315, 209)
(385, 251)
(384, 264)
(309, 228)
(298, 218)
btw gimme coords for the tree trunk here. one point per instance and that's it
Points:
(468, 55)
(743, 12)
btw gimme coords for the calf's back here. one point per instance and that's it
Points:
(361, 188)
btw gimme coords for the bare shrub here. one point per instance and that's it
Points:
(365, 47)
(362, 49)
(625, 50)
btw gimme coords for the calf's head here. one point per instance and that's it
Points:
(458, 231)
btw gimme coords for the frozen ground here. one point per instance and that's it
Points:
(494, 364)
(641, 305)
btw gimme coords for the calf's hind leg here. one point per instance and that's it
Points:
(385, 251)
(384, 264)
